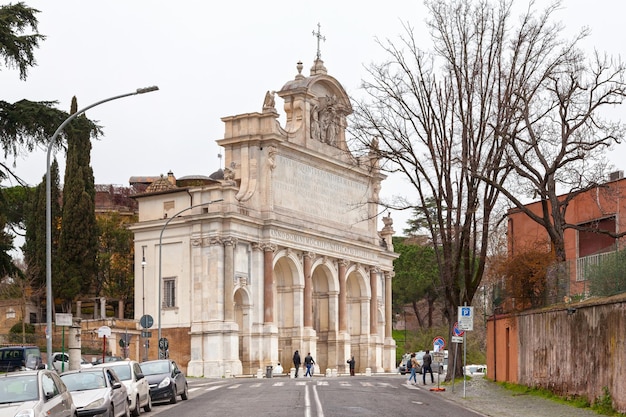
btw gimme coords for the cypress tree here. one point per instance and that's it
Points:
(34, 247)
(78, 243)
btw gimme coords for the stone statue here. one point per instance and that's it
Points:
(315, 124)
(269, 102)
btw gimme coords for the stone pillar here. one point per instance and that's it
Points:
(308, 289)
(103, 308)
(374, 301)
(343, 297)
(79, 305)
(120, 309)
(268, 283)
(74, 346)
(388, 326)
(229, 278)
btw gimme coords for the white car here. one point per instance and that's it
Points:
(131, 375)
(61, 362)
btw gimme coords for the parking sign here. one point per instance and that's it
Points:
(466, 318)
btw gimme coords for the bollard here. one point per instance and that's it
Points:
(328, 373)
(268, 371)
(335, 373)
(227, 374)
(368, 371)
(259, 373)
(292, 373)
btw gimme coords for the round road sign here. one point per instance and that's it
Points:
(457, 331)
(439, 343)
(146, 321)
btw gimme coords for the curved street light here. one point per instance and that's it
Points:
(159, 300)
(49, 213)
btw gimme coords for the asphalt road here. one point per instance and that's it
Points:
(312, 397)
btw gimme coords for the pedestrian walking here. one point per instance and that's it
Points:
(296, 362)
(351, 363)
(413, 365)
(427, 361)
(308, 362)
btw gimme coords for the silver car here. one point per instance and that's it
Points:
(131, 375)
(97, 392)
(35, 393)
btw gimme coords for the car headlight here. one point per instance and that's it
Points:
(26, 413)
(165, 382)
(95, 404)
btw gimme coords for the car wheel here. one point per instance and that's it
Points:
(174, 398)
(148, 407)
(185, 393)
(137, 409)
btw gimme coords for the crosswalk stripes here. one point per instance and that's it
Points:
(209, 387)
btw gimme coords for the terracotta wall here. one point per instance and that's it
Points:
(573, 350)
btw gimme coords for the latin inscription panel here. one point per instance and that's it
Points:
(319, 193)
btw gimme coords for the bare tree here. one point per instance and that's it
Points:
(445, 119)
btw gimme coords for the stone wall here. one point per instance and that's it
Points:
(574, 350)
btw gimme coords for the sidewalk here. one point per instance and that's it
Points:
(490, 399)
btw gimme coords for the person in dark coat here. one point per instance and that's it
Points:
(427, 362)
(351, 363)
(296, 362)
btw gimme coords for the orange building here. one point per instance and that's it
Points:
(599, 208)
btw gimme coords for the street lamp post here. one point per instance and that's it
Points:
(143, 299)
(160, 301)
(49, 297)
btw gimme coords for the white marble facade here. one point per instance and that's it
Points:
(288, 259)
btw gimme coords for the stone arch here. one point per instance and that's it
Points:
(243, 310)
(288, 303)
(357, 311)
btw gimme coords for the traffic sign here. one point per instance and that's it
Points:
(146, 334)
(163, 343)
(439, 343)
(63, 319)
(146, 321)
(122, 343)
(456, 331)
(104, 331)
(466, 318)
(457, 339)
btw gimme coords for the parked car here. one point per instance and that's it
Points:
(402, 367)
(18, 358)
(61, 362)
(131, 375)
(35, 393)
(107, 359)
(166, 380)
(475, 370)
(420, 361)
(97, 391)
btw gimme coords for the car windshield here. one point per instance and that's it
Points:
(153, 368)
(122, 371)
(84, 381)
(18, 389)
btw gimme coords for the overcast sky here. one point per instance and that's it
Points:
(212, 59)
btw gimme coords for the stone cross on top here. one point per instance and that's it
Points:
(319, 37)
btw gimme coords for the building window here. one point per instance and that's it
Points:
(169, 292)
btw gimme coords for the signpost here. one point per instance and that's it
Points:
(146, 322)
(64, 320)
(104, 332)
(465, 323)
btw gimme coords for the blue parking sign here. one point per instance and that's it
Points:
(466, 318)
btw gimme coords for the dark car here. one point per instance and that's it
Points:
(17, 358)
(166, 380)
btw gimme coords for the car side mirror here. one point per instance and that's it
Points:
(41, 366)
(117, 385)
(48, 395)
(139, 376)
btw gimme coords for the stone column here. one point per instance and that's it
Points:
(388, 326)
(229, 278)
(103, 308)
(120, 309)
(374, 300)
(343, 296)
(308, 289)
(268, 283)
(79, 306)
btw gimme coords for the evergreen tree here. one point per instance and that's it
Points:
(78, 243)
(34, 248)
